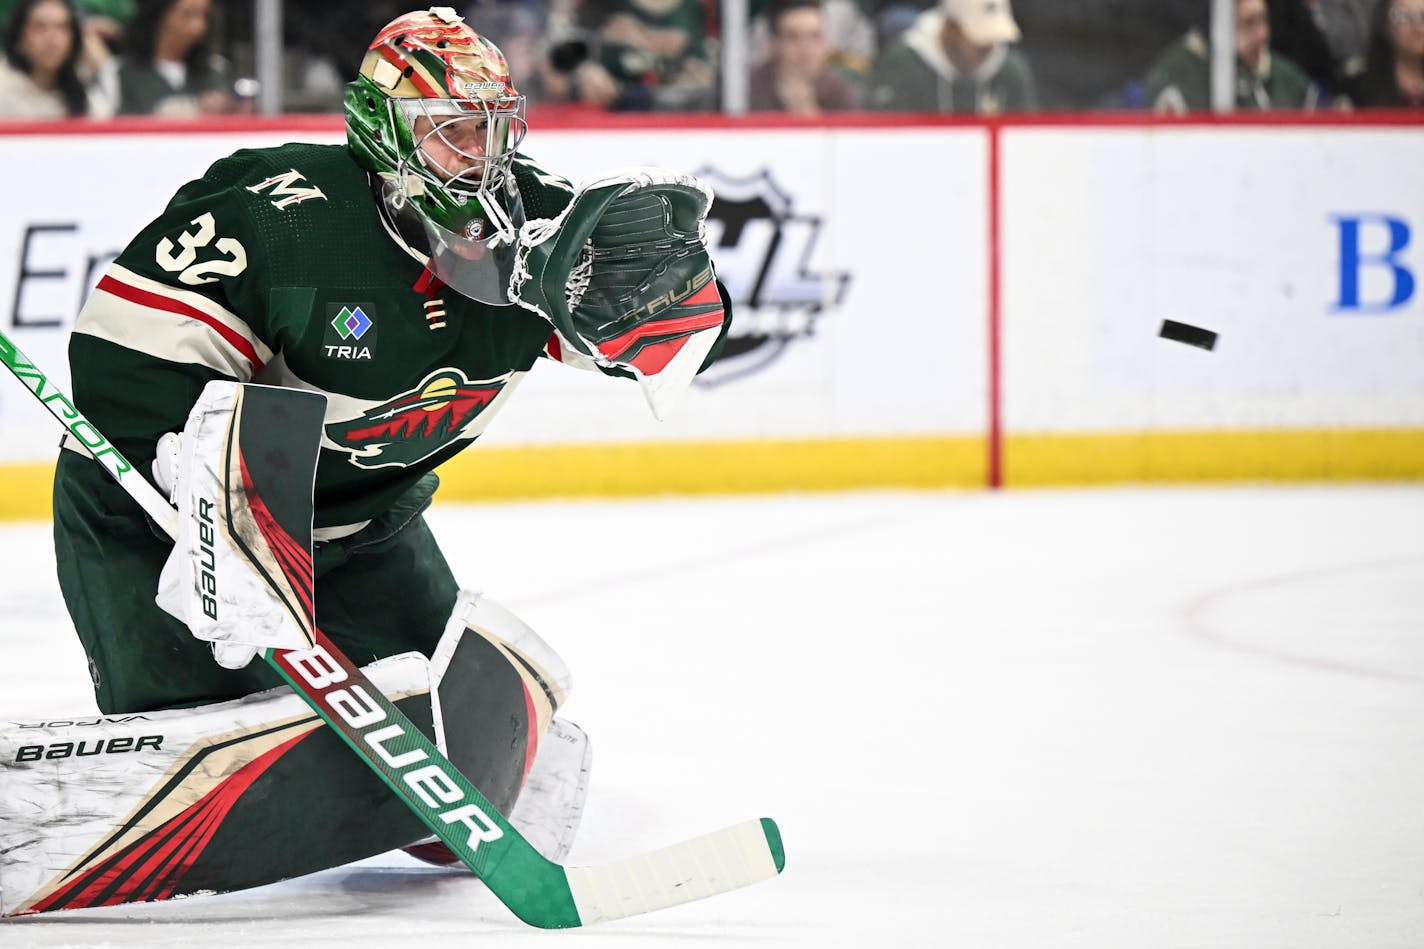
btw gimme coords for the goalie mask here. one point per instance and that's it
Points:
(434, 115)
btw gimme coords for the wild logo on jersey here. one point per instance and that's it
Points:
(416, 424)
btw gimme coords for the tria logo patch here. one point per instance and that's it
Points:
(414, 425)
(350, 332)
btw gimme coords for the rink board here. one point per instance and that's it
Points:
(1281, 240)
(879, 341)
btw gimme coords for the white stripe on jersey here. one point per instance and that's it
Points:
(208, 335)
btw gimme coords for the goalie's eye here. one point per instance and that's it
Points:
(465, 132)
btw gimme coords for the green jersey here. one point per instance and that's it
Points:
(277, 267)
(1179, 80)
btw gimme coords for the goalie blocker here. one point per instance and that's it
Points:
(156, 805)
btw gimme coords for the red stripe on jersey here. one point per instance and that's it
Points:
(157, 301)
(554, 348)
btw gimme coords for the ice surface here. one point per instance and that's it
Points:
(1115, 718)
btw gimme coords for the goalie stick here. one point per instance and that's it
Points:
(538, 891)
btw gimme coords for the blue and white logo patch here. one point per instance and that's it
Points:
(350, 332)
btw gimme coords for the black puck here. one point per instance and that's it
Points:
(1186, 333)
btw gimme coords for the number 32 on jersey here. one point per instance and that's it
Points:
(183, 258)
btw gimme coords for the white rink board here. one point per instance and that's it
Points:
(869, 288)
(1106, 232)
(96, 192)
(902, 353)
(841, 259)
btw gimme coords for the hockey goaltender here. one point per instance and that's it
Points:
(403, 284)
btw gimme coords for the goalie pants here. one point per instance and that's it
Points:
(382, 591)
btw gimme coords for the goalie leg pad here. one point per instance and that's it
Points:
(482, 641)
(133, 808)
(550, 805)
(549, 776)
(116, 809)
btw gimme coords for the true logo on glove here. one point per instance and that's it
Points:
(671, 298)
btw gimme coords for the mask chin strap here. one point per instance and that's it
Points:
(411, 185)
(494, 209)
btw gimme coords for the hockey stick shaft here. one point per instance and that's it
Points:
(538, 891)
(60, 406)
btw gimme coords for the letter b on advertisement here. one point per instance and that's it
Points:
(1374, 276)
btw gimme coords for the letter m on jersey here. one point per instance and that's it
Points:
(285, 190)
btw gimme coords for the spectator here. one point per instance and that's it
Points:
(46, 73)
(797, 77)
(1179, 80)
(323, 42)
(167, 68)
(1325, 38)
(108, 16)
(642, 54)
(1394, 75)
(1091, 54)
(956, 58)
(105, 19)
(1299, 36)
(1346, 24)
(849, 27)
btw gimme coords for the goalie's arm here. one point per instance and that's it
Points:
(183, 305)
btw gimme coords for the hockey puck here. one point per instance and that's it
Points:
(1186, 333)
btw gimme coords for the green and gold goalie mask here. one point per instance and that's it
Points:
(435, 116)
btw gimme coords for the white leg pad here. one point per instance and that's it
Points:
(550, 802)
(550, 805)
(474, 610)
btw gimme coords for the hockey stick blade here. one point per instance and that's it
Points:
(704, 866)
(538, 891)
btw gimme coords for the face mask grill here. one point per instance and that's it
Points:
(460, 146)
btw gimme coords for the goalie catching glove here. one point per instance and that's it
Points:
(624, 276)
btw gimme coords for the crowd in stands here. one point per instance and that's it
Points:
(99, 58)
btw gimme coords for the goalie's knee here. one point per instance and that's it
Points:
(542, 670)
(498, 685)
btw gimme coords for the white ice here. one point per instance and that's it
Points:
(1109, 718)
